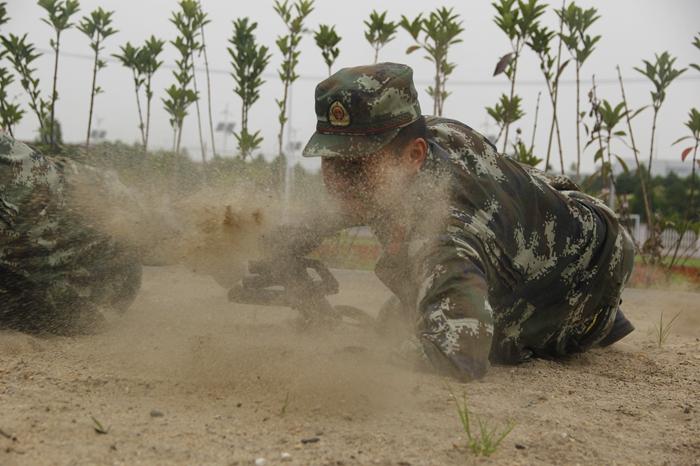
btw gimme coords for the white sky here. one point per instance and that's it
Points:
(632, 30)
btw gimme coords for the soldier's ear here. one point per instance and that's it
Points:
(417, 152)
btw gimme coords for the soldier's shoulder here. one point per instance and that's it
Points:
(453, 134)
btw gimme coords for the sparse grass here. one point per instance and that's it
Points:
(99, 428)
(482, 438)
(663, 330)
(285, 405)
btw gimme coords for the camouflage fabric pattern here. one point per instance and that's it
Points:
(492, 261)
(523, 264)
(361, 109)
(57, 270)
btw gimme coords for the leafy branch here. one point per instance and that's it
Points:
(249, 61)
(379, 31)
(59, 19)
(327, 40)
(435, 34)
(97, 27)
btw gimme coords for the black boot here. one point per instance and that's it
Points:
(620, 329)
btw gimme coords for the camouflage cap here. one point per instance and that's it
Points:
(359, 110)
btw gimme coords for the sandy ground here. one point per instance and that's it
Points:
(188, 378)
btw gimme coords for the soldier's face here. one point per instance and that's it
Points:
(366, 185)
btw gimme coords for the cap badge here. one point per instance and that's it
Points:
(338, 115)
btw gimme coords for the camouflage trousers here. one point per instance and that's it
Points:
(56, 270)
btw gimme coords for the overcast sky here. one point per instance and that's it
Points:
(632, 30)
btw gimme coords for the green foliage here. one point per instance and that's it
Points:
(379, 31)
(607, 118)
(486, 441)
(143, 63)
(507, 110)
(21, 54)
(249, 61)
(661, 73)
(435, 35)
(188, 21)
(327, 40)
(59, 13)
(525, 154)
(576, 23)
(663, 330)
(293, 16)
(10, 113)
(696, 44)
(97, 27)
(518, 20)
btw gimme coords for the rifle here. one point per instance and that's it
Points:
(300, 283)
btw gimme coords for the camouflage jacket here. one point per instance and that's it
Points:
(55, 263)
(515, 264)
(496, 260)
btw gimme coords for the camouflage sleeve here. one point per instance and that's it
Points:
(455, 323)
(556, 181)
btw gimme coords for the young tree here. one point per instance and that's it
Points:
(539, 42)
(580, 44)
(327, 40)
(59, 15)
(21, 54)
(10, 113)
(143, 63)
(181, 95)
(97, 27)
(691, 219)
(199, 20)
(440, 30)
(379, 31)
(640, 172)
(148, 64)
(293, 16)
(130, 58)
(249, 61)
(207, 73)
(661, 73)
(517, 19)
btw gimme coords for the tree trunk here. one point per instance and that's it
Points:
(512, 92)
(651, 146)
(92, 97)
(206, 67)
(53, 93)
(578, 121)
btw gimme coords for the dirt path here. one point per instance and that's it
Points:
(187, 378)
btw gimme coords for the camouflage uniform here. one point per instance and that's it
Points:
(57, 269)
(495, 260)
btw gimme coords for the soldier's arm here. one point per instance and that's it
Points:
(455, 323)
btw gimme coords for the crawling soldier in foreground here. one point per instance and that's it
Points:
(491, 260)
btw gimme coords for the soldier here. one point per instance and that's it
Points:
(491, 260)
(57, 269)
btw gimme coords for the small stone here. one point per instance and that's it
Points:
(310, 440)
(285, 456)
(520, 446)
(260, 462)
(156, 413)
